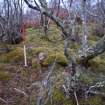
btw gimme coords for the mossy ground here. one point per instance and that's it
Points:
(52, 46)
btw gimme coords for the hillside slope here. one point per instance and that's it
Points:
(14, 76)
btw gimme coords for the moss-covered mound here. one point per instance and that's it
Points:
(58, 98)
(4, 74)
(98, 64)
(13, 56)
(59, 57)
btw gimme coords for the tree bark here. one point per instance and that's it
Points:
(94, 50)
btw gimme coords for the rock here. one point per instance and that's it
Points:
(42, 56)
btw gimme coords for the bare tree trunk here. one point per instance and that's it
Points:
(84, 27)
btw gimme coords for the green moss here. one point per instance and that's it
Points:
(58, 98)
(59, 56)
(13, 56)
(37, 50)
(85, 78)
(51, 56)
(4, 75)
(95, 101)
(92, 101)
(45, 38)
(35, 64)
(74, 46)
(98, 64)
(93, 38)
(91, 42)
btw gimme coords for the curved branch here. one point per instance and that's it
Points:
(94, 51)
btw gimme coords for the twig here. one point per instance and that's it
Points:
(21, 92)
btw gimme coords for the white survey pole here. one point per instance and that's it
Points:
(25, 57)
